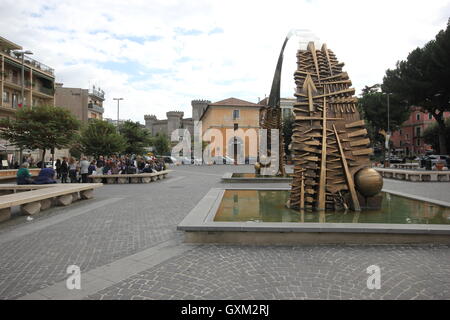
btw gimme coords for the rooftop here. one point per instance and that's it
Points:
(233, 102)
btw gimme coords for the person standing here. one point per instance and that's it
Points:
(84, 170)
(58, 168)
(72, 170)
(64, 170)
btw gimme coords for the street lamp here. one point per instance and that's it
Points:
(22, 95)
(118, 101)
(388, 134)
(22, 54)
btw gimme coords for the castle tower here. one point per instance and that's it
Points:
(198, 107)
(150, 120)
(174, 121)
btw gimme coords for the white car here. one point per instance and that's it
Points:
(198, 161)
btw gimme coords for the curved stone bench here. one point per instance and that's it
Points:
(130, 178)
(34, 198)
(415, 175)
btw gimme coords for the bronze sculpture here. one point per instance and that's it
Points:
(329, 143)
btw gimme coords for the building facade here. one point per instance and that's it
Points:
(38, 87)
(231, 126)
(83, 103)
(408, 139)
(286, 105)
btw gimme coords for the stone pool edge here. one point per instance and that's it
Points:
(200, 228)
(228, 178)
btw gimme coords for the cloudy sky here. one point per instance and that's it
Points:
(161, 54)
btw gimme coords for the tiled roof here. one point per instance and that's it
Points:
(233, 102)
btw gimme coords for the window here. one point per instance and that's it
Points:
(407, 136)
(418, 116)
(418, 142)
(430, 116)
(14, 100)
(401, 132)
(236, 126)
(418, 132)
(235, 114)
(5, 96)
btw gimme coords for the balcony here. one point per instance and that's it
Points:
(44, 90)
(33, 63)
(96, 108)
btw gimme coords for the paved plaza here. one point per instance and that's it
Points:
(127, 247)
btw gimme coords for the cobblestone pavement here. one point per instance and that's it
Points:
(309, 272)
(137, 217)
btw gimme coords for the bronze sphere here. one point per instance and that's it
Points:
(368, 182)
(257, 166)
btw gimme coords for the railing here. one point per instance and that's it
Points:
(96, 108)
(47, 91)
(97, 92)
(34, 63)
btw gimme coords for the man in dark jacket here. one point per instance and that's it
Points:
(46, 176)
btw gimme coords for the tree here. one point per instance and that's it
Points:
(161, 144)
(423, 80)
(101, 138)
(431, 136)
(42, 127)
(136, 137)
(373, 108)
(288, 125)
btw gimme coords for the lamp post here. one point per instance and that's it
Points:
(388, 134)
(22, 94)
(22, 54)
(118, 101)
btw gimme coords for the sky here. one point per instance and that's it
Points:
(159, 55)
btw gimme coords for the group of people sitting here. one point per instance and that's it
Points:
(46, 175)
(79, 171)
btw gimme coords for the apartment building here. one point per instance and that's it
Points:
(37, 84)
(408, 139)
(83, 103)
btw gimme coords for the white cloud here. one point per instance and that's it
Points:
(143, 50)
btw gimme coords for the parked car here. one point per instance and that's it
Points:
(394, 159)
(435, 158)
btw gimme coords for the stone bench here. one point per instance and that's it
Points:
(415, 175)
(35, 198)
(130, 178)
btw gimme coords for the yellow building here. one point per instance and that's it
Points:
(232, 125)
(37, 85)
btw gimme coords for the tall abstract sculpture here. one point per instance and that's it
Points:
(329, 143)
(270, 116)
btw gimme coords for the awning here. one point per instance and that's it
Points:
(15, 64)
